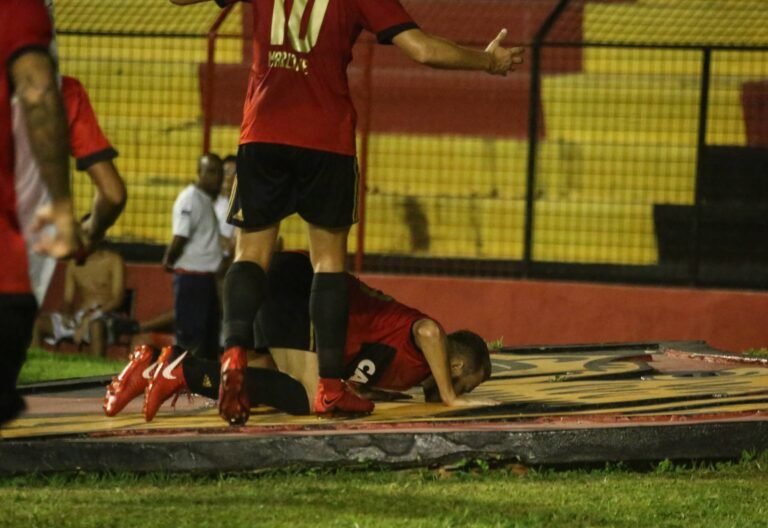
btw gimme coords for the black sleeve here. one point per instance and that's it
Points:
(386, 36)
(102, 155)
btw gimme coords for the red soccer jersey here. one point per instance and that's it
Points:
(30, 28)
(298, 93)
(88, 145)
(377, 324)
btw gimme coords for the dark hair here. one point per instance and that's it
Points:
(230, 158)
(211, 156)
(472, 349)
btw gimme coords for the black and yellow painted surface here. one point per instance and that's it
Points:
(583, 386)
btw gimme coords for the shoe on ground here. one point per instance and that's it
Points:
(234, 404)
(168, 380)
(335, 398)
(132, 381)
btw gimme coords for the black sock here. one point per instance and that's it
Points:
(276, 389)
(265, 386)
(202, 376)
(260, 343)
(245, 288)
(329, 309)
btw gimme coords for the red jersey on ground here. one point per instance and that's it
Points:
(30, 28)
(380, 350)
(298, 93)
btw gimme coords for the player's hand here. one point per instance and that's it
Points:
(463, 401)
(503, 60)
(62, 240)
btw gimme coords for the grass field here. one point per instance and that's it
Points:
(42, 365)
(727, 495)
(470, 494)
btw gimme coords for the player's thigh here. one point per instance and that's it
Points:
(328, 248)
(257, 245)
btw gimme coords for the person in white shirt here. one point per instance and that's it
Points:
(194, 255)
(221, 205)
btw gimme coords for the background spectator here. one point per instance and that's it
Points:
(194, 255)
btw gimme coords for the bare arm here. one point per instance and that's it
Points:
(35, 85)
(430, 338)
(162, 321)
(172, 254)
(108, 201)
(438, 52)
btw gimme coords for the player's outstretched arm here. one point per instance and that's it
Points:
(34, 81)
(438, 52)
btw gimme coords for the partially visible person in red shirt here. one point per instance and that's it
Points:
(28, 72)
(297, 154)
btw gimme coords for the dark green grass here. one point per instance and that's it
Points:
(728, 495)
(42, 365)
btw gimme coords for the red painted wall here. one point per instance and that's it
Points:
(538, 312)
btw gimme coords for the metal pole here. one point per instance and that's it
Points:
(209, 76)
(365, 133)
(533, 132)
(695, 246)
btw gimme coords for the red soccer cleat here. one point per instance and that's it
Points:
(234, 404)
(132, 381)
(167, 381)
(334, 398)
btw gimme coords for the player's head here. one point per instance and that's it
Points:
(230, 171)
(210, 173)
(470, 363)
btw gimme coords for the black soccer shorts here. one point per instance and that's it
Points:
(275, 181)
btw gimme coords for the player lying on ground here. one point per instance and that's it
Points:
(390, 347)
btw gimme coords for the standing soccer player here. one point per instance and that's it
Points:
(27, 71)
(297, 154)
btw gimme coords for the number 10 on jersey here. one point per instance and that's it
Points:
(299, 44)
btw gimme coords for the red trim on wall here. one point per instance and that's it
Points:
(537, 312)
